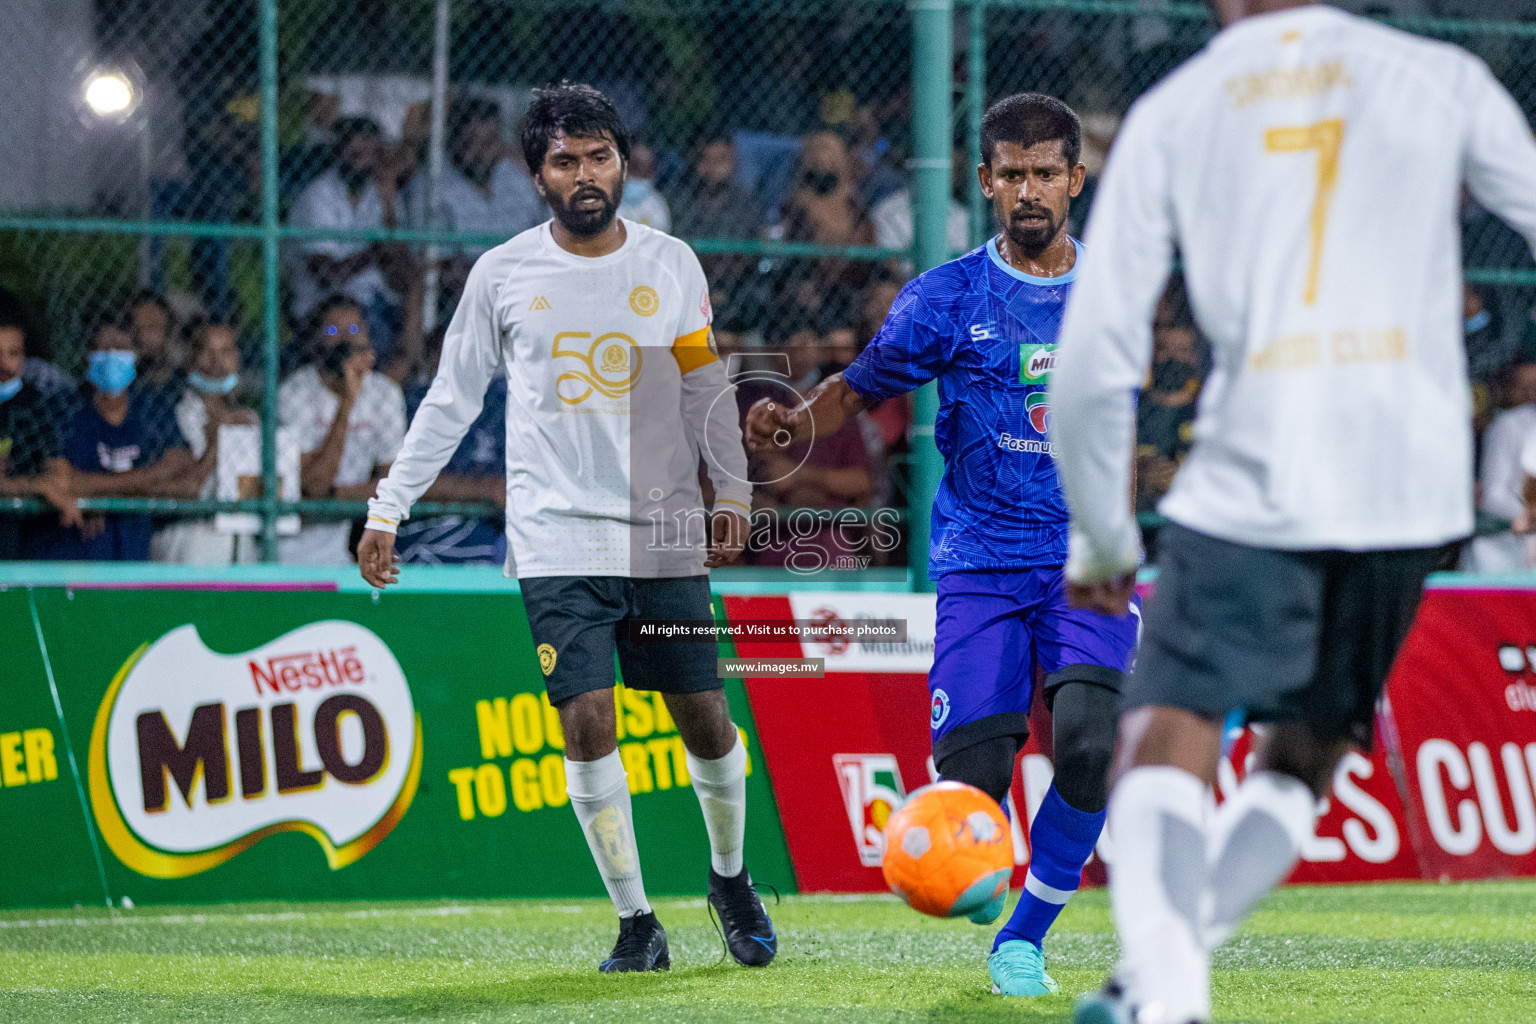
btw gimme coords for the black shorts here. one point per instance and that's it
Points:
(1282, 636)
(580, 622)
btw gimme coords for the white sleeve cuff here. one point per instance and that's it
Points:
(383, 516)
(1087, 563)
(738, 503)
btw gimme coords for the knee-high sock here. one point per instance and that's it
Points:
(1060, 842)
(721, 786)
(1156, 815)
(599, 792)
(1256, 837)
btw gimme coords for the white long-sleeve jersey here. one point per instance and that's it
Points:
(1307, 164)
(614, 394)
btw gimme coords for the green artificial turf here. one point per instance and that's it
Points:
(1436, 953)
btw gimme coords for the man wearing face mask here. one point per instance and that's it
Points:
(31, 450)
(123, 443)
(350, 422)
(984, 327)
(205, 406)
(1165, 414)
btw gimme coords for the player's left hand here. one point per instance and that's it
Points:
(728, 536)
(1107, 597)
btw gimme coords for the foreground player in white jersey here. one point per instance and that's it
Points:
(613, 393)
(1307, 164)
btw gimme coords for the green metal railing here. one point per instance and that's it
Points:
(1001, 40)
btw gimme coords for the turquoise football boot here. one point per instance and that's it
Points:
(1018, 969)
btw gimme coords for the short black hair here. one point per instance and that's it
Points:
(12, 314)
(1029, 118)
(467, 110)
(574, 110)
(348, 128)
(333, 301)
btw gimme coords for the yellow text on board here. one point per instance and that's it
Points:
(526, 728)
(27, 757)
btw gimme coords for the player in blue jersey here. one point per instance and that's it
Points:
(984, 326)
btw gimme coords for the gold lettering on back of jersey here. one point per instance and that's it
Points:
(1291, 352)
(1288, 83)
(1374, 346)
(539, 302)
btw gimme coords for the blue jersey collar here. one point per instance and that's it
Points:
(1049, 282)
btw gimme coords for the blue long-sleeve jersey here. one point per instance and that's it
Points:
(987, 333)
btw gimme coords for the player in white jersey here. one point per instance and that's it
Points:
(614, 393)
(1307, 165)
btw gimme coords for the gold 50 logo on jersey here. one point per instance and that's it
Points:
(610, 365)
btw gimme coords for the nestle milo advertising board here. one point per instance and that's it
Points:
(295, 745)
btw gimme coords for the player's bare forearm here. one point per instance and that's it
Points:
(772, 425)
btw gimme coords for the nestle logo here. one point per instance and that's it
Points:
(307, 670)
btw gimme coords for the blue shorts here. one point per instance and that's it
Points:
(996, 630)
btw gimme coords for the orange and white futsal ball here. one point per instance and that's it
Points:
(948, 851)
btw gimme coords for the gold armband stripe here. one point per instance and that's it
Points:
(693, 351)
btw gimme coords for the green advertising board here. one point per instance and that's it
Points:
(310, 745)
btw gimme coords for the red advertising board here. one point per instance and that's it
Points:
(1463, 698)
(1449, 789)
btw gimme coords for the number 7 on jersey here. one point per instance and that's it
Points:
(1327, 137)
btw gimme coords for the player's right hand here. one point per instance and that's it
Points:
(376, 558)
(772, 426)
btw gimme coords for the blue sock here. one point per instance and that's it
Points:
(1060, 842)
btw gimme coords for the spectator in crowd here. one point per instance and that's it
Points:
(871, 158)
(53, 384)
(840, 346)
(357, 192)
(31, 449)
(708, 202)
(824, 206)
(122, 442)
(153, 326)
(350, 423)
(207, 404)
(484, 188)
(1165, 414)
(477, 471)
(642, 203)
(1506, 443)
(892, 216)
(1487, 347)
(1100, 126)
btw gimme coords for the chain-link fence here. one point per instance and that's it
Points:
(254, 195)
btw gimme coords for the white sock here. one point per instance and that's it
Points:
(599, 792)
(1157, 818)
(721, 786)
(1256, 837)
